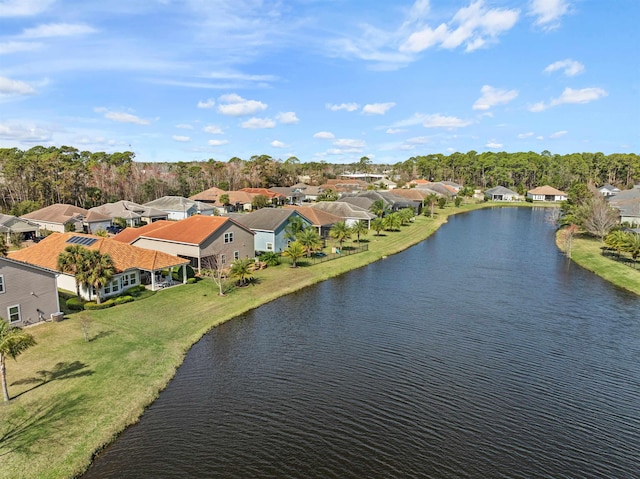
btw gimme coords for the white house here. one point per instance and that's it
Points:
(546, 193)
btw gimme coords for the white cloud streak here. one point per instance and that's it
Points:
(58, 30)
(548, 12)
(259, 123)
(493, 96)
(11, 88)
(287, 118)
(569, 67)
(440, 121)
(324, 135)
(208, 103)
(569, 96)
(23, 8)
(235, 105)
(343, 106)
(377, 108)
(121, 117)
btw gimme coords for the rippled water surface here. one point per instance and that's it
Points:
(479, 353)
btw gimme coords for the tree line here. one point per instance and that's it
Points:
(41, 176)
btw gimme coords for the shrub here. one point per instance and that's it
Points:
(75, 304)
(92, 305)
(136, 290)
(192, 280)
(458, 201)
(528, 199)
(176, 274)
(123, 299)
(270, 257)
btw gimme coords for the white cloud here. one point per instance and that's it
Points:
(493, 96)
(9, 88)
(343, 106)
(493, 144)
(439, 121)
(121, 117)
(349, 143)
(23, 8)
(418, 140)
(208, 103)
(287, 118)
(324, 135)
(213, 129)
(548, 12)
(540, 137)
(184, 126)
(180, 138)
(217, 142)
(24, 133)
(394, 131)
(558, 134)
(278, 144)
(569, 95)
(523, 136)
(15, 47)
(256, 123)
(570, 67)
(377, 108)
(343, 151)
(235, 105)
(58, 30)
(472, 27)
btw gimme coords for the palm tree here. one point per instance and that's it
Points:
(632, 245)
(295, 251)
(293, 228)
(616, 240)
(378, 208)
(13, 341)
(73, 261)
(310, 239)
(377, 224)
(392, 222)
(100, 270)
(431, 200)
(241, 269)
(4, 248)
(360, 229)
(406, 215)
(341, 232)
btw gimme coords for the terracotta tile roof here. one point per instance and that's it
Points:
(58, 213)
(210, 195)
(547, 190)
(420, 181)
(417, 194)
(316, 216)
(124, 256)
(265, 192)
(193, 230)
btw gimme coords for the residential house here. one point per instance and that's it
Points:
(233, 200)
(202, 240)
(12, 225)
(546, 193)
(501, 193)
(607, 190)
(179, 208)
(322, 221)
(350, 214)
(133, 213)
(276, 199)
(293, 195)
(269, 225)
(28, 293)
(627, 202)
(345, 186)
(60, 218)
(132, 265)
(308, 192)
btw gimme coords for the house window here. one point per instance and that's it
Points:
(107, 288)
(236, 255)
(1, 283)
(223, 259)
(228, 237)
(132, 279)
(269, 246)
(125, 280)
(115, 285)
(14, 313)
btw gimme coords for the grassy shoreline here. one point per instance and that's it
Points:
(585, 251)
(73, 397)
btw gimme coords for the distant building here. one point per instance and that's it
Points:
(546, 193)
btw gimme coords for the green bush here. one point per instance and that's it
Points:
(75, 304)
(528, 199)
(123, 299)
(176, 274)
(92, 305)
(192, 280)
(270, 257)
(136, 290)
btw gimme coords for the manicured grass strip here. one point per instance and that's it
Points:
(587, 253)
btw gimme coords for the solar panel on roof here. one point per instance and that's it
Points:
(82, 240)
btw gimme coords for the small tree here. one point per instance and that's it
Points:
(16, 240)
(597, 217)
(378, 208)
(295, 251)
(73, 261)
(212, 267)
(294, 226)
(377, 225)
(431, 201)
(224, 199)
(442, 202)
(13, 342)
(568, 233)
(392, 222)
(340, 232)
(241, 269)
(310, 240)
(260, 201)
(406, 215)
(360, 229)
(100, 271)
(4, 248)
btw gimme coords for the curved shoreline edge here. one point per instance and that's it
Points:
(136, 350)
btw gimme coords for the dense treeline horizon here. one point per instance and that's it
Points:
(40, 176)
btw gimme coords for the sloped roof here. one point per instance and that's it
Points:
(95, 217)
(210, 195)
(129, 235)
(57, 213)
(129, 209)
(626, 194)
(344, 210)
(547, 190)
(178, 203)
(265, 192)
(266, 219)
(193, 230)
(628, 206)
(438, 188)
(317, 216)
(17, 225)
(415, 194)
(500, 190)
(363, 202)
(124, 256)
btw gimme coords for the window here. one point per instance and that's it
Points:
(13, 313)
(228, 237)
(236, 255)
(1, 283)
(115, 285)
(269, 246)
(132, 279)
(107, 288)
(125, 280)
(223, 259)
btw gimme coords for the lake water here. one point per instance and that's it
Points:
(480, 353)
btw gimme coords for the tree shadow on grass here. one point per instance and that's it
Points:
(101, 334)
(20, 433)
(62, 370)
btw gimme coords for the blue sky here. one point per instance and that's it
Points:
(322, 80)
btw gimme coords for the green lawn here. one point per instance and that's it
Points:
(586, 251)
(71, 397)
